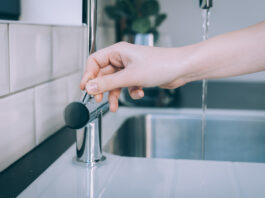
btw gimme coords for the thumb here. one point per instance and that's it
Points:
(109, 82)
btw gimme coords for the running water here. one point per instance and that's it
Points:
(205, 27)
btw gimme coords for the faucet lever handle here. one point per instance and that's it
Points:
(76, 115)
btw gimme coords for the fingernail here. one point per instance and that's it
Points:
(92, 87)
(141, 94)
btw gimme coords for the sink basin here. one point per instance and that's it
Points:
(228, 137)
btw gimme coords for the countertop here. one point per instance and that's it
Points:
(139, 177)
(147, 177)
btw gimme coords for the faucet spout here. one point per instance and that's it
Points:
(205, 4)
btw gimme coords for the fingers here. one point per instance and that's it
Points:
(105, 71)
(95, 61)
(98, 97)
(136, 92)
(109, 82)
(86, 77)
(100, 59)
(114, 99)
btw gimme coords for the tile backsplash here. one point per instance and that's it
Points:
(40, 71)
(30, 45)
(50, 101)
(17, 135)
(65, 62)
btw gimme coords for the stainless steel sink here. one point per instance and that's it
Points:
(227, 137)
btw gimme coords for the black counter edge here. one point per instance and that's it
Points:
(19, 175)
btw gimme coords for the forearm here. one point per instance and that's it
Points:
(236, 53)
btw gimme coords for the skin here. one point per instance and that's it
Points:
(127, 65)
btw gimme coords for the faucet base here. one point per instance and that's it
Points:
(89, 164)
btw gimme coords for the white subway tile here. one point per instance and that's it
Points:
(4, 69)
(30, 55)
(50, 101)
(16, 127)
(67, 50)
(73, 87)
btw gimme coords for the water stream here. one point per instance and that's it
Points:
(205, 27)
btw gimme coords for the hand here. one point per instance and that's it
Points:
(127, 65)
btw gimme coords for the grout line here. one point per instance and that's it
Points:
(51, 51)
(8, 60)
(35, 117)
(40, 24)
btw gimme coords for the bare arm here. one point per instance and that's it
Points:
(232, 54)
(126, 65)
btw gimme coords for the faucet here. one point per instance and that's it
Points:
(77, 115)
(205, 4)
(88, 130)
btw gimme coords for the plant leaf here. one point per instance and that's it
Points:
(130, 7)
(114, 12)
(159, 19)
(141, 25)
(150, 8)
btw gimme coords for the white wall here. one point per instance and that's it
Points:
(40, 72)
(68, 12)
(52, 11)
(183, 25)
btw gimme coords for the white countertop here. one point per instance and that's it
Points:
(147, 177)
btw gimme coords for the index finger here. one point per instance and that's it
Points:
(95, 62)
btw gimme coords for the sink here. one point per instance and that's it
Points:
(228, 137)
(165, 133)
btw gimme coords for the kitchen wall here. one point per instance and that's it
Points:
(40, 70)
(183, 25)
(68, 12)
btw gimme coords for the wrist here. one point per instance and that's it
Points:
(188, 66)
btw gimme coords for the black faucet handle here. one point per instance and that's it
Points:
(76, 115)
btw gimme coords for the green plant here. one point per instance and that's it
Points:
(136, 16)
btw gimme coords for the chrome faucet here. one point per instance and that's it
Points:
(77, 116)
(205, 4)
(88, 130)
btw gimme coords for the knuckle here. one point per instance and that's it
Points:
(89, 60)
(123, 43)
(90, 75)
(100, 84)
